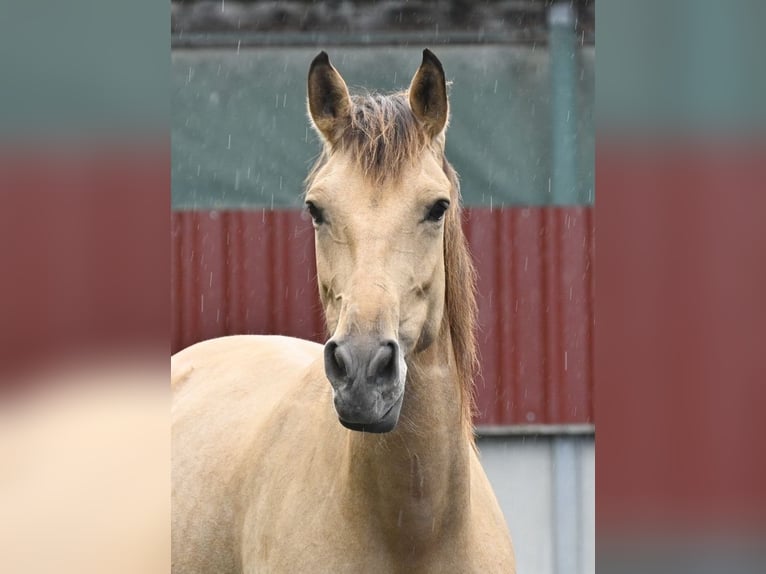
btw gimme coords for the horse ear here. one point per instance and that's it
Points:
(428, 94)
(329, 101)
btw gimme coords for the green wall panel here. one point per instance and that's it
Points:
(241, 137)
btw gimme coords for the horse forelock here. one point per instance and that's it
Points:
(382, 136)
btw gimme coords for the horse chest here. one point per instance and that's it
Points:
(328, 542)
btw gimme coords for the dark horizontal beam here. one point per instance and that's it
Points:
(419, 38)
(221, 23)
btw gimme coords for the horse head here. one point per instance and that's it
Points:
(380, 196)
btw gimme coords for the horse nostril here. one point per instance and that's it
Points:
(383, 363)
(336, 361)
(340, 364)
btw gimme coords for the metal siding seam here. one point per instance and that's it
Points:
(282, 269)
(176, 282)
(573, 294)
(559, 316)
(211, 271)
(557, 301)
(191, 300)
(590, 303)
(294, 256)
(525, 297)
(307, 295)
(550, 315)
(503, 360)
(239, 324)
(259, 280)
(269, 272)
(478, 229)
(510, 379)
(226, 270)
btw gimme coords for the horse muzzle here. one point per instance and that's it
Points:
(367, 376)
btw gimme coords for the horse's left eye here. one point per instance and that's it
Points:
(437, 210)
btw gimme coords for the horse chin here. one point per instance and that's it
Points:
(387, 423)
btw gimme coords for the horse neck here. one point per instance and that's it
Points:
(415, 479)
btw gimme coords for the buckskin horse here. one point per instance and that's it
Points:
(357, 456)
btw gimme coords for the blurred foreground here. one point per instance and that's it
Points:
(85, 474)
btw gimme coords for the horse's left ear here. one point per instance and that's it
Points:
(428, 94)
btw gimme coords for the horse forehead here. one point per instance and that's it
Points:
(343, 177)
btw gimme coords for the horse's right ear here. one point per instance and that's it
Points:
(329, 101)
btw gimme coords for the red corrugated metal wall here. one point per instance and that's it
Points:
(254, 272)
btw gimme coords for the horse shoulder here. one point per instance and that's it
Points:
(224, 394)
(242, 349)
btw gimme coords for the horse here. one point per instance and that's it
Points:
(357, 456)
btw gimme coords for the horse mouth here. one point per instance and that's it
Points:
(386, 423)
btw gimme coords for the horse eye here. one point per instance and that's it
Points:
(436, 213)
(315, 212)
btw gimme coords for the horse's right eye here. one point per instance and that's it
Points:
(315, 212)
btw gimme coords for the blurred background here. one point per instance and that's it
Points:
(678, 371)
(522, 139)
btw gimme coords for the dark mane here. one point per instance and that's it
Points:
(381, 137)
(461, 310)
